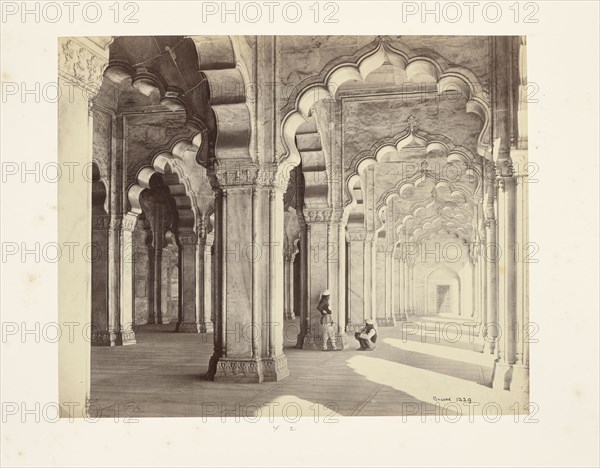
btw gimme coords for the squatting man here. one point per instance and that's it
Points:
(366, 336)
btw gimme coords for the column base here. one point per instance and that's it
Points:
(489, 346)
(501, 376)
(207, 327)
(111, 338)
(104, 338)
(341, 341)
(275, 369)
(290, 316)
(126, 337)
(479, 345)
(309, 340)
(386, 322)
(520, 379)
(188, 327)
(314, 341)
(248, 370)
(354, 327)
(238, 370)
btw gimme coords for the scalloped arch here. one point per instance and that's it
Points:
(453, 154)
(325, 85)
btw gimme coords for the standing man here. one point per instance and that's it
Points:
(327, 325)
(367, 336)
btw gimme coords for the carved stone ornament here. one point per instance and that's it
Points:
(129, 222)
(236, 175)
(231, 368)
(268, 176)
(100, 223)
(312, 215)
(356, 236)
(188, 239)
(275, 366)
(79, 64)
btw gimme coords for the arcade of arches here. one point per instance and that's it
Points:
(234, 178)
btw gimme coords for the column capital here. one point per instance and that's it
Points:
(209, 240)
(289, 250)
(100, 223)
(317, 215)
(188, 238)
(235, 174)
(82, 61)
(356, 236)
(504, 168)
(268, 175)
(127, 223)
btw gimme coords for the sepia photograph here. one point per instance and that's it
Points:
(299, 233)
(327, 224)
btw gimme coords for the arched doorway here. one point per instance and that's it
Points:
(443, 292)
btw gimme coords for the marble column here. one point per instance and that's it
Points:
(402, 313)
(506, 350)
(380, 282)
(100, 286)
(158, 244)
(75, 146)
(249, 235)
(323, 270)
(356, 303)
(110, 335)
(492, 328)
(125, 335)
(369, 257)
(190, 273)
(303, 281)
(483, 317)
(411, 286)
(520, 369)
(396, 284)
(338, 228)
(288, 283)
(204, 294)
(406, 288)
(389, 287)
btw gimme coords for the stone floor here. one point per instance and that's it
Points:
(428, 366)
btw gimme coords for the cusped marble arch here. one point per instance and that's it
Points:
(164, 165)
(357, 68)
(431, 143)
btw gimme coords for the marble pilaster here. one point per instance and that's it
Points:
(190, 276)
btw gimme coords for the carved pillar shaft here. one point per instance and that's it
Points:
(401, 284)
(100, 286)
(406, 287)
(356, 301)
(288, 282)
(324, 264)
(191, 271)
(507, 311)
(411, 289)
(368, 273)
(158, 243)
(75, 146)
(114, 239)
(492, 326)
(389, 281)
(204, 290)
(380, 280)
(303, 283)
(340, 230)
(249, 337)
(125, 335)
(483, 289)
